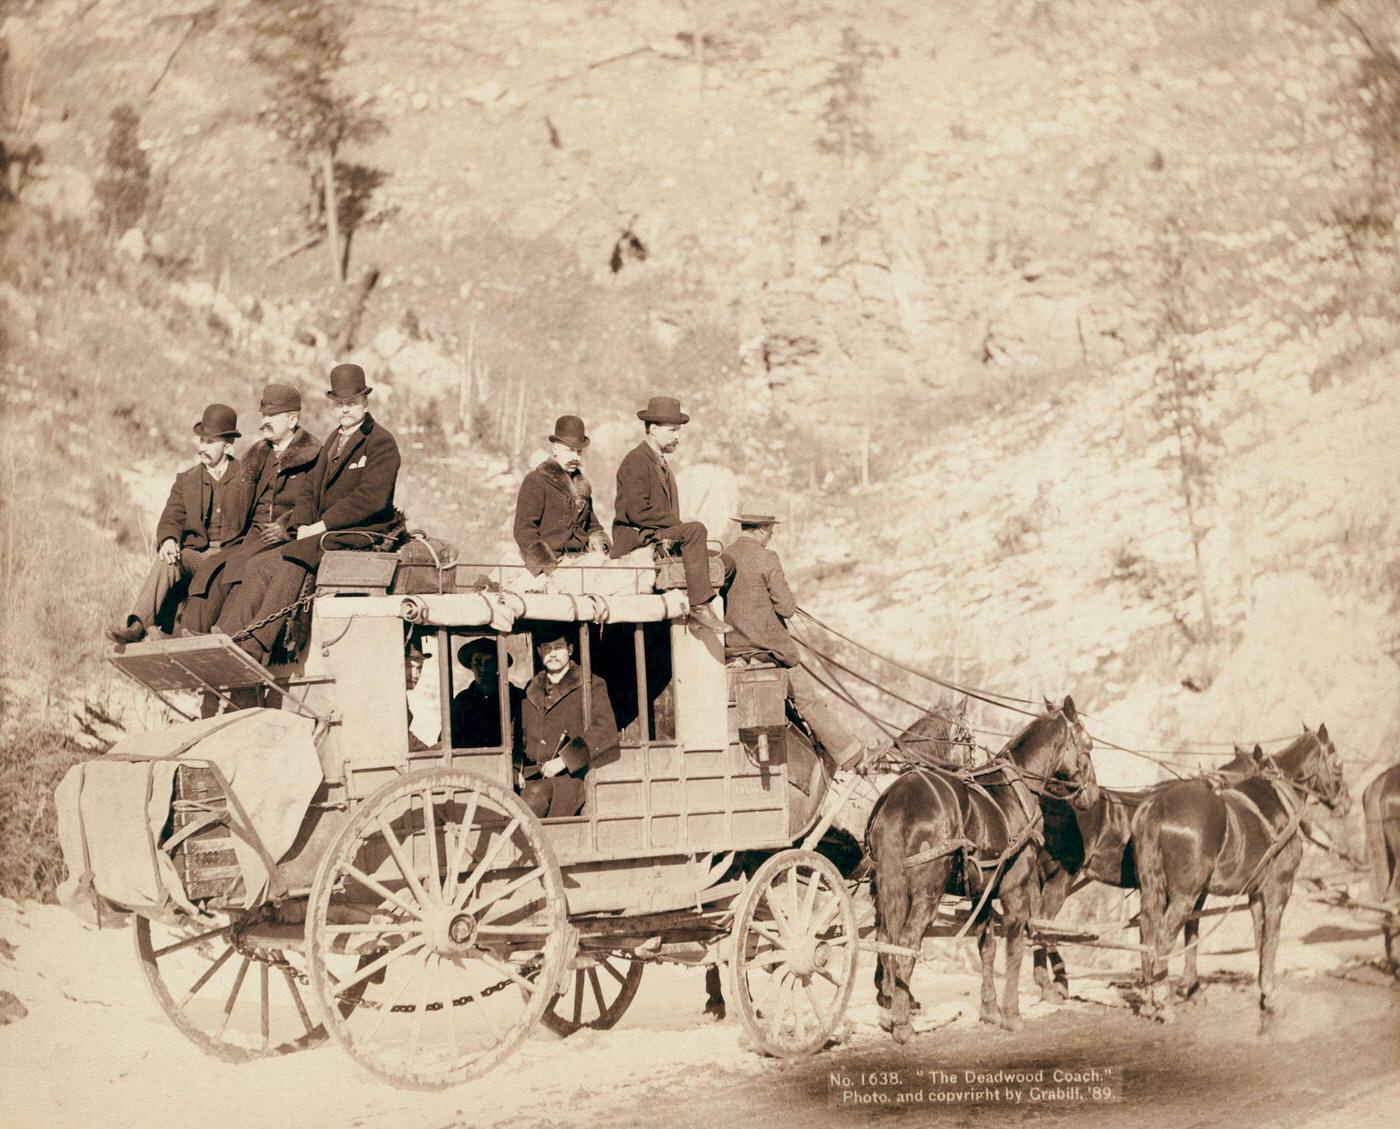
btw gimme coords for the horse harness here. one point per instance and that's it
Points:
(1030, 808)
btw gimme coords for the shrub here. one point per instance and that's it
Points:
(124, 187)
(34, 756)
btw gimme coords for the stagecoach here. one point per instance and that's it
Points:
(326, 856)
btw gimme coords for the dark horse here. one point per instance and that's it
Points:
(971, 837)
(1096, 844)
(1381, 803)
(1198, 837)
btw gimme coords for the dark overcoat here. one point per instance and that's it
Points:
(552, 715)
(351, 490)
(553, 515)
(647, 499)
(757, 604)
(186, 514)
(272, 488)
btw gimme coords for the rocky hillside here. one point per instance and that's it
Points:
(918, 273)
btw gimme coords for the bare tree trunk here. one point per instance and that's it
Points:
(351, 325)
(332, 216)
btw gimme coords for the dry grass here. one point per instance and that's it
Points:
(33, 758)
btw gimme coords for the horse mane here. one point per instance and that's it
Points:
(930, 739)
(1022, 738)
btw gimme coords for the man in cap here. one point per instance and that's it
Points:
(647, 507)
(347, 503)
(204, 510)
(561, 737)
(554, 510)
(274, 474)
(759, 602)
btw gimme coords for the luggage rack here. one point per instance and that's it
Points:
(212, 663)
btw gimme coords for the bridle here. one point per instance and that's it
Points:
(1323, 781)
(1069, 788)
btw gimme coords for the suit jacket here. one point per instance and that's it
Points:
(185, 519)
(553, 515)
(757, 604)
(647, 499)
(352, 490)
(275, 485)
(550, 713)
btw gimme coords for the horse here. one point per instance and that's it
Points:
(940, 736)
(935, 832)
(1096, 844)
(1241, 837)
(1381, 803)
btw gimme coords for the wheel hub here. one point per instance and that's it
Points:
(461, 929)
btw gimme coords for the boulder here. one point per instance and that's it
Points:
(11, 1009)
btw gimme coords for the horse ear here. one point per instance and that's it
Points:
(1068, 707)
(1240, 751)
(1049, 705)
(1305, 728)
(1258, 751)
(962, 706)
(1322, 733)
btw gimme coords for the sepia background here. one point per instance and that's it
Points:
(1065, 332)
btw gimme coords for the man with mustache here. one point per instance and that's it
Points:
(203, 513)
(648, 509)
(554, 515)
(347, 503)
(274, 475)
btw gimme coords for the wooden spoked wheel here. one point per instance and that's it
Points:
(793, 963)
(231, 999)
(597, 989)
(440, 901)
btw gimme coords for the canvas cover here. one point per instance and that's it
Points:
(113, 810)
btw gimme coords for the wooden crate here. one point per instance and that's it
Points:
(205, 861)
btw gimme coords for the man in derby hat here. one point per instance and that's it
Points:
(346, 503)
(554, 510)
(647, 508)
(203, 512)
(558, 741)
(274, 475)
(759, 603)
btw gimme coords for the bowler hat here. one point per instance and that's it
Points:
(347, 380)
(569, 431)
(279, 398)
(757, 516)
(219, 421)
(663, 409)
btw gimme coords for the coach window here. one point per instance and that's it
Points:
(634, 660)
(475, 676)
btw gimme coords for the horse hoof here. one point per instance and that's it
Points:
(886, 1020)
(713, 1015)
(990, 1016)
(1053, 993)
(1195, 994)
(902, 1033)
(1012, 1022)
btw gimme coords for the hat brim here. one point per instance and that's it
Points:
(333, 395)
(757, 519)
(277, 409)
(672, 421)
(575, 444)
(199, 430)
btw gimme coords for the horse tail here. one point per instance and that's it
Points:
(1151, 870)
(1383, 863)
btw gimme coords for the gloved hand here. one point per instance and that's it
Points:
(169, 551)
(598, 542)
(274, 533)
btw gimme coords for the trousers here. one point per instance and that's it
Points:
(270, 583)
(158, 598)
(835, 738)
(695, 559)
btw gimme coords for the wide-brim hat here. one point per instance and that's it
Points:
(347, 380)
(219, 421)
(570, 431)
(757, 516)
(664, 410)
(279, 398)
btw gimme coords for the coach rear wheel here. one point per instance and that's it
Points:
(595, 992)
(233, 1000)
(795, 952)
(441, 902)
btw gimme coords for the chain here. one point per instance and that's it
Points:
(259, 624)
(528, 971)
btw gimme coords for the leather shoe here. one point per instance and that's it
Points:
(133, 631)
(704, 617)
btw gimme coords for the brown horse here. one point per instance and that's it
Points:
(1381, 803)
(935, 832)
(1237, 837)
(1096, 844)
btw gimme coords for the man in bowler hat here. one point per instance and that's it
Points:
(347, 503)
(648, 510)
(203, 512)
(554, 515)
(275, 472)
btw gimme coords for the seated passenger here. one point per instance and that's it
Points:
(558, 745)
(348, 503)
(204, 510)
(648, 507)
(554, 514)
(476, 709)
(274, 472)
